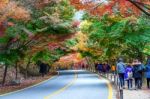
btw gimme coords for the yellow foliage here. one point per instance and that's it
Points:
(82, 42)
(85, 24)
(62, 65)
(4, 1)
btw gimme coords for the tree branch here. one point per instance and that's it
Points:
(142, 4)
(144, 11)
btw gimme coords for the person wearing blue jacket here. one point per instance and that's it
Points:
(121, 72)
(100, 67)
(148, 73)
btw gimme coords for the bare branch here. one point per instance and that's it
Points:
(140, 8)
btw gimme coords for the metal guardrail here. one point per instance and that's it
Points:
(113, 77)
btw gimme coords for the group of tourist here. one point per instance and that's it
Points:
(134, 71)
(105, 67)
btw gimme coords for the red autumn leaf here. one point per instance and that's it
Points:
(125, 7)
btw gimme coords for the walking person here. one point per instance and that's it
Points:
(96, 67)
(129, 75)
(147, 72)
(43, 69)
(121, 72)
(100, 68)
(113, 69)
(108, 68)
(138, 70)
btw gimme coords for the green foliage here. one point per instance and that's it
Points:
(68, 11)
(52, 19)
(48, 19)
(10, 56)
(42, 55)
(3, 40)
(84, 54)
(118, 36)
(58, 30)
(48, 56)
(147, 50)
(16, 32)
(71, 42)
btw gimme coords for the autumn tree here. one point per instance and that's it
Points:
(10, 9)
(32, 29)
(117, 36)
(122, 7)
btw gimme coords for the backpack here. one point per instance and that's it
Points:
(130, 75)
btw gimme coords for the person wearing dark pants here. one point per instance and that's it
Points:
(121, 72)
(121, 79)
(147, 72)
(129, 81)
(129, 75)
(138, 82)
(148, 81)
(138, 70)
(43, 69)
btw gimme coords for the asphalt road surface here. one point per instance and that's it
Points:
(69, 84)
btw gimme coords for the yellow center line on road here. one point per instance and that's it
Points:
(62, 89)
(110, 95)
(110, 90)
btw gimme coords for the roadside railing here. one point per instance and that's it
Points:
(113, 77)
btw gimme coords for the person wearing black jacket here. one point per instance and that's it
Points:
(43, 69)
(138, 69)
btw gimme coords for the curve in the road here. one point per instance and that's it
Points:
(70, 84)
(87, 86)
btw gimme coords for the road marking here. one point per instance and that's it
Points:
(62, 89)
(110, 93)
(28, 87)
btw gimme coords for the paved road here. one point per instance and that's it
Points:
(70, 84)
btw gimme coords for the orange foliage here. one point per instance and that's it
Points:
(43, 3)
(101, 7)
(10, 9)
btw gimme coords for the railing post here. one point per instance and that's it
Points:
(115, 78)
(111, 77)
(121, 93)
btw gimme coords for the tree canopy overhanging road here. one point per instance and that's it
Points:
(39, 37)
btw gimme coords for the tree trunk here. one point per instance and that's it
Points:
(90, 64)
(87, 62)
(16, 66)
(4, 76)
(28, 64)
(140, 56)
